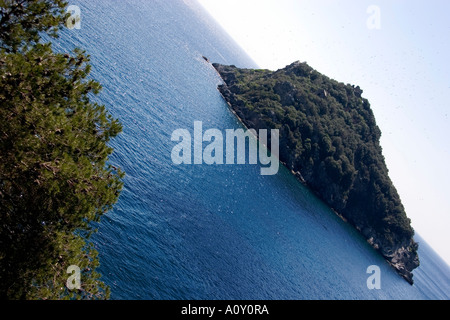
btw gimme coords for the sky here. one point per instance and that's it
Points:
(398, 52)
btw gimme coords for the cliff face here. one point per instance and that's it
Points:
(330, 141)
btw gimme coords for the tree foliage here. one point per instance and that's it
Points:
(21, 21)
(55, 179)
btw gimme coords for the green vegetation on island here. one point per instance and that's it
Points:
(55, 180)
(329, 139)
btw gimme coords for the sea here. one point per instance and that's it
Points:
(210, 232)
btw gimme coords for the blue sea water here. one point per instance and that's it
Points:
(210, 232)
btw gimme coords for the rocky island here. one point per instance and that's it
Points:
(330, 141)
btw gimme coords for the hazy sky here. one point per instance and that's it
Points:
(398, 52)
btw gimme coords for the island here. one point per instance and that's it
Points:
(330, 141)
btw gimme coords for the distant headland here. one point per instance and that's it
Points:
(330, 141)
